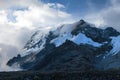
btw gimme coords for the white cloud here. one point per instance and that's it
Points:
(57, 5)
(36, 15)
(3, 17)
(109, 16)
(19, 19)
(95, 19)
(6, 4)
(6, 52)
(40, 16)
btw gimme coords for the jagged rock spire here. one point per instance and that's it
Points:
(82, 22)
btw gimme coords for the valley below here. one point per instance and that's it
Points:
(60, 75)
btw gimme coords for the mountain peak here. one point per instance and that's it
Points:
(79, 42)
(82, 22)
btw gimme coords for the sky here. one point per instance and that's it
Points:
(19, 19)
(81, 7)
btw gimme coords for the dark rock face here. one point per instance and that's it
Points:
(71, 56)
(68, 56)
(96, 34)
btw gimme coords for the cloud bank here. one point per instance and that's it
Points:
(6, 52)
(108, 16)
(19, 20)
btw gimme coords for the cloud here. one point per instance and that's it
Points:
(6, 52)
(14, 3)
(37, 16)
(108, 16)
(19, 20)
(111, 16)
(22, 22)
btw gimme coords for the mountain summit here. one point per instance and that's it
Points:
(77, 46)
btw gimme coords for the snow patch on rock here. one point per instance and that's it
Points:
(82, 39)
(116, 45)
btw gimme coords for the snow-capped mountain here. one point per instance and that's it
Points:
(77, 46)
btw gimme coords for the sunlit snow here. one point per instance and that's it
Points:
(116, 45)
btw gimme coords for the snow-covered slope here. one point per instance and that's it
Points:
(82, 39)
(116, 45)
(35, 44)
(78, 39)
(63, 33)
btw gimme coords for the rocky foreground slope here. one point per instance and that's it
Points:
(78, 47)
